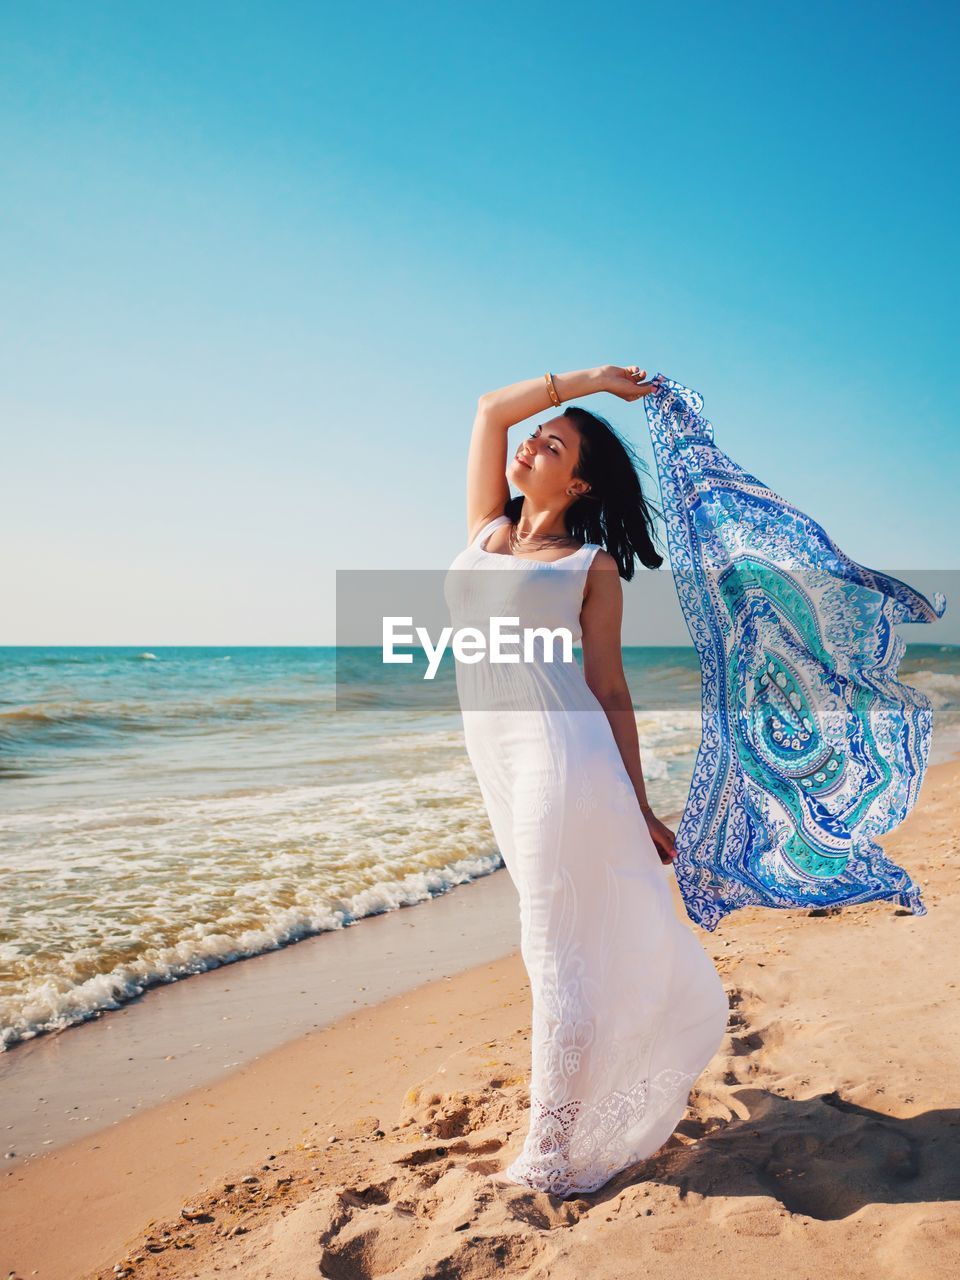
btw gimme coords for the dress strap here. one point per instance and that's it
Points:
(591, 548)
(491, 524)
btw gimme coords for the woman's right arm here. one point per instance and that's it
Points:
(497, 412)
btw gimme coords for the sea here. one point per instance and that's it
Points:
(167, 811)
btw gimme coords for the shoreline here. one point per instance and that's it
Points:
(191, 1032)
(443, 1065)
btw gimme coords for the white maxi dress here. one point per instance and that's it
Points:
(627, 1007)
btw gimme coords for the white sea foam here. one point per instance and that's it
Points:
(49, 1005)
(941, 687)
(135, 892)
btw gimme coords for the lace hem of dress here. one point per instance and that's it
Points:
(547, 1166)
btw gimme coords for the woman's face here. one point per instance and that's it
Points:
(542, 467)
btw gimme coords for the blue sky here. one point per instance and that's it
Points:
(260, 260)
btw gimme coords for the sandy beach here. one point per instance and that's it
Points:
(823, 1136)
(395, 523)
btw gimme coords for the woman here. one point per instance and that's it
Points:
(627, 1006)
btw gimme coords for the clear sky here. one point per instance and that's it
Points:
(259, 260)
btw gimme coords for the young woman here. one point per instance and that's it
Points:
(627, 1007)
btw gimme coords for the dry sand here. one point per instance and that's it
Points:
(823, 1138)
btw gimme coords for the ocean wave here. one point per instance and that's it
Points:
(942, 687)
(43, 719)
(51, 1006)
(50, 720)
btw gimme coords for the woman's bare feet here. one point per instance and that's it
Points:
(500, 1179)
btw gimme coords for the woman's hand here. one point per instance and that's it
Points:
(662, 836)
(627, 383)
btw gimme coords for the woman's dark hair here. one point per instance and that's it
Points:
(614, 513)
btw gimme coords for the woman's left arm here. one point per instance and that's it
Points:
(601, 620)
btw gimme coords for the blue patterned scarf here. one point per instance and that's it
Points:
(810, 746)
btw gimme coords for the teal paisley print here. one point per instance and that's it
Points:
(810, 747)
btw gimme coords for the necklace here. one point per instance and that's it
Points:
(516, 540)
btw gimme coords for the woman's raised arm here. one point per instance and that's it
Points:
(497, 412)
(487, 488)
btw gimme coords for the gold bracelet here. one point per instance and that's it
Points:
(552, 389)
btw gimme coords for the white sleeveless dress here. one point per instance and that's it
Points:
(628, 1008)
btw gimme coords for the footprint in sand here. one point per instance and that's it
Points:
(433, 1232)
